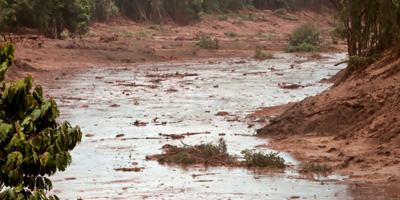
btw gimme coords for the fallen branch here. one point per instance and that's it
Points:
(337, 64)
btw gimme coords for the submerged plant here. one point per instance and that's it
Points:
(208, 153)
(261, 55)
(263, 160)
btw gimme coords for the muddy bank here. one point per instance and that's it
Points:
(354, 126)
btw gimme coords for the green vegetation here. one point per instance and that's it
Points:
(259, 54)
(186, 10)
(281, 11)
(263, 160)
(305, 38)
(126, 34)
(51, 18)
(231, 34)
(157, 27)
(311, 166)
(371, 27)
(143, 34)
(33, 145)
(270, 37)
(208, 153)
(206, 42)
(223, 18)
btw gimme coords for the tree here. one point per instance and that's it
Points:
(32, 144)
(51, 18)
(10, 14)
(369, 26)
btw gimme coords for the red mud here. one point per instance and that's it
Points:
(354, 126)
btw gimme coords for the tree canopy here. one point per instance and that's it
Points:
(51, 18)
(32, 144)
(369, 26)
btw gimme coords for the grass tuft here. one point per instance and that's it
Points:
(231, 34)
(259, 54)
(263, 160)
(126, 34)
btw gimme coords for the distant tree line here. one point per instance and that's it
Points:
(52, 17)
(179, 10)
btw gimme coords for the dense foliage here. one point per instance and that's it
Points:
(32, 144)
(305, 38)
(183, 10)
(369, 26)
(259, 159)
(51, 18)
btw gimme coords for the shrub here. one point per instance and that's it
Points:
(207, 42)
(212, 153)
(261, 55)
(270, 37)
(272, 31)
(156, 27)
(289, 48)
(238, 20)
(33, 145)
(231, 34)
(142, 34)
(307, 47)
(305, 38)
(126, 34)
(64, 35)
(316, 167)
(223, 18)
(263, 160)
(305, 34)
(281, 11)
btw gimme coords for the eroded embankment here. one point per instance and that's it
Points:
(354, 126)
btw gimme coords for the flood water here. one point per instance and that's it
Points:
(106, 101)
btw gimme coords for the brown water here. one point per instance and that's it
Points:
(85, 99)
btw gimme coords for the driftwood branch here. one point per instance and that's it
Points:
(337, 64)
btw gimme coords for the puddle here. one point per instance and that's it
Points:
(106, 102)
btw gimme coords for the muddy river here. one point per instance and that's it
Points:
(184, 97)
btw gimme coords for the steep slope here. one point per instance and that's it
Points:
(366, 105)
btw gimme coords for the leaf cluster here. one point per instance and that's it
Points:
(305, 38)
(32, 144)
(51, 18)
